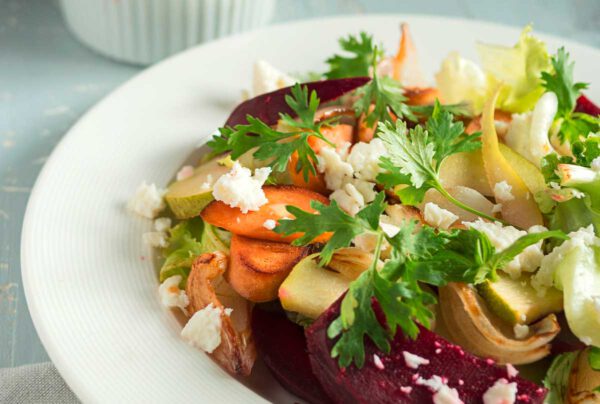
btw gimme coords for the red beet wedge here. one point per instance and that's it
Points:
(267, 107)
(387, 378)
(282, 346)
(586, 106)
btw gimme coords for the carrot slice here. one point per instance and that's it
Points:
(251, 224)
(259, 267)
(339, 135)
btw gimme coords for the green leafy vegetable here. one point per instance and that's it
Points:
(275, 147)
(361, 52)
(418, 254)
(380, 98)
(594, 358)
(184, 246)
(416, 155)
(573, 126)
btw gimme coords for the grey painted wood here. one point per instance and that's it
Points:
(47, 80)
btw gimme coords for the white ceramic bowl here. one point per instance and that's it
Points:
(146, 31)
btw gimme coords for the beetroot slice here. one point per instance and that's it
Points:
(468, 374)
(586, 106)
(267, 107)
(282, 346)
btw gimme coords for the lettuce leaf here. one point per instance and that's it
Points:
(518, 69)
(557, 378)
(461, 80)
(184, 245)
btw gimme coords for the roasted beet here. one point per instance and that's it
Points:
(282, 346)
(267, 107)
(586, 106)
(387, 378)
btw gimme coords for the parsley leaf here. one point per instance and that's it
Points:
(273, 146)
(330, 218)
(572, 125)
(363, 52)
(416, 155)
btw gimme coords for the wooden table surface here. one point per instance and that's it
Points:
(48, 80)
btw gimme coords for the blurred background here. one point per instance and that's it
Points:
(51, 73)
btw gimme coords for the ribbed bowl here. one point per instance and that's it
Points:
(146, 31)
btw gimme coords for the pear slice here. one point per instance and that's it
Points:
(473, 326)
(517, 302)
(188, 197)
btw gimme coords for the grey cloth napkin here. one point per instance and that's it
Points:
(34, 384)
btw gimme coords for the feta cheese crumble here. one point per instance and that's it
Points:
(438, 217)
(502, 392)
(511, 371)
(162, 224)
(503, 236)
(349, 199)
(364, 159)
(443, 394)
(414, 361)
(267, 78)
(158, 238)
(503, 192)
(336, 170)
(171, 295)
(240, 189)
(203, 329)
(378, 363)
(147, 201)
(521, 331)
(269, 224)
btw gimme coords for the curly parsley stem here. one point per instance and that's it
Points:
(463, 206)
(377, 252)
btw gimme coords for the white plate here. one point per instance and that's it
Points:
(92, 297)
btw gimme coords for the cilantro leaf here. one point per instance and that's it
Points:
(572, 125)
(362, 51)
(415, 156)
(330, 218)
(380, 100)
(273, 146)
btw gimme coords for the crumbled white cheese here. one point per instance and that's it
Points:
(389, 229)
(171, 295)
(595, 164)
(434, 383)
(378, 363)
(438, 217)
(269, 224)
(502, 392)
(156, 239)
(147, 201)
(239, 189)
(337, 172)
(267, 78)
(446, 395)
(364, 159)
(511, 371)
(544, 278)
(414, 361)
(203, 329)
(366, 189)
(521, 331)
(349, 199)
(528, 132)
(184, 172)
(503, 236)
(162, 224)
(502, 191)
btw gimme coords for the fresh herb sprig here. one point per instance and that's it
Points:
(573, 126)
(416, 155)
(360, 53)
(419, 254)
(274, 147)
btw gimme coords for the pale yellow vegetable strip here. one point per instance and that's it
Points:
(522, 211)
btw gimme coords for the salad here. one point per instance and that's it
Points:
(374, 238)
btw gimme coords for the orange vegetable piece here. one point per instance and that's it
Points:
(259, 267)
(251, 224)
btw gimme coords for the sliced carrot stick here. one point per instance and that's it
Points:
(252, 224)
